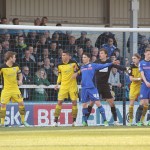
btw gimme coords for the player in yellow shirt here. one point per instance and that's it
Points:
(11, 78)
(135, 77)
(68, 71)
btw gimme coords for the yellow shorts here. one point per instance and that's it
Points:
(6, 97)
(65, 93)
(134, 92)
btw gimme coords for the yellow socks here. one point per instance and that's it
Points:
(22, 113)
(2, 115)
(57, 111)
(130, 114)
(74, 112)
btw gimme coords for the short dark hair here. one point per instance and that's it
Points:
(104, 50)
(58, 24)
(87, 54)
(14, 19)
(66, 52)
(9, 54)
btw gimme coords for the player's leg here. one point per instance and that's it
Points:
(90, 106)
(107, 95)
(58, 110)
(131, 106)
(102, 112)
(85, 113)
(94, 96)
(5, 98)
(145, 108)
(17, 98)
(133, 95)
(113, 110)
(61, 96)
(84, 100)
(144, 95)
(73, 96)
(2, 114)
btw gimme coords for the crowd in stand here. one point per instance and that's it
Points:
(39, 52)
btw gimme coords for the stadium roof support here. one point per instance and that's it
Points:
(134, 8)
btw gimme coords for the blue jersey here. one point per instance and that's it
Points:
(144, 66)
(88, 72)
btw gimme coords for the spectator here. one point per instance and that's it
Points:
(48, 66)
(20, 48)
(95, 51)
(109, 46)
(81, 42)
(143, 45)
(32, 56)
(4, 20)
(113, 57)
(127, 62)
(40, 94)
(93, 59)
(27, 61)
(140, 37)
(88, 46)
(41, 44)
(44, 21)
(56, 39)
(15, 21)
(47, 36)
(103, 39)
(41, 57)
(65, 39)
(71, 47)
(78, 56)
(5, 46)
(27, 79)
(32, 38)
(114, 80)
(37, 22)
(53, 52)
(118, 57)
(58, 60)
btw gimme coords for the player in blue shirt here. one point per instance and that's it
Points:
(144, 68)
(89, 92)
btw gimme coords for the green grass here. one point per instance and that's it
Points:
(73, 138)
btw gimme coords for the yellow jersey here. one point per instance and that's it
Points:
(9, 77)
(134, 71)
(66, 72)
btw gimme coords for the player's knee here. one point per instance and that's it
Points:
(60, 103)
(74, 103)
(22, 110)
(3, 106)
(21, 103)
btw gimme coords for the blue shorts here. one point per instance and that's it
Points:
(144, 92)
(89, 95)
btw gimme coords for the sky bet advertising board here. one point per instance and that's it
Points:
(43, 114)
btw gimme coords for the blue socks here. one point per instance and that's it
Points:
(85, 114)
(102, 111)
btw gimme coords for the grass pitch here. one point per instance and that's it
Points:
(83, 138)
